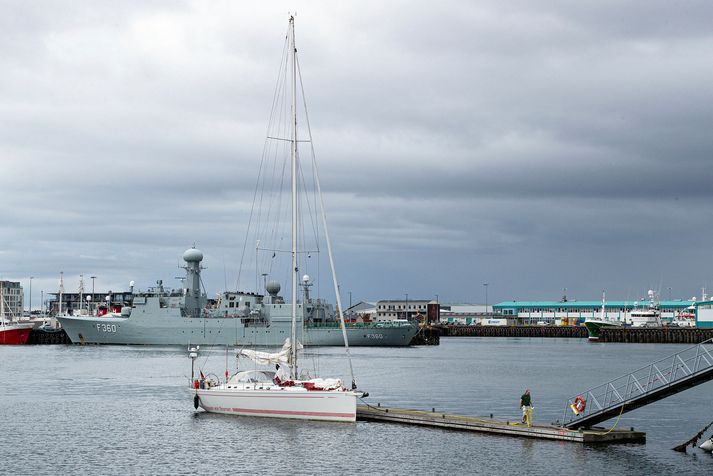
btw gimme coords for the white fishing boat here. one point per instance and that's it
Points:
(707, 445)
(646, 316)
(287, 392)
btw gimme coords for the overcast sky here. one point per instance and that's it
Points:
(534, 146)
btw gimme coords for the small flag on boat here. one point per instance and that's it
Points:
(202, 376)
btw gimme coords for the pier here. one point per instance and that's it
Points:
(631, 335)
(496, 427)
(43, 337)
(656, 335)
(428, 335)
(513, 331)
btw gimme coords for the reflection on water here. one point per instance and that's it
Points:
(118, 409)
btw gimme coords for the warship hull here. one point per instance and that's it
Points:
(171, 328)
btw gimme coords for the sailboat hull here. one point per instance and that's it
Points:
(281, 402)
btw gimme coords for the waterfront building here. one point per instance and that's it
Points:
(704, 313)
(468, 314)
(14, 300)
(390, 309)
(575, 312)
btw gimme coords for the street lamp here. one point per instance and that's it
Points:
(31, 278)
(669, 293)
(406, 305)
(485, 285)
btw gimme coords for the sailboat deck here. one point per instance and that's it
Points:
(495, 427)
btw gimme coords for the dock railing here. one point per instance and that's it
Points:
(647, 384)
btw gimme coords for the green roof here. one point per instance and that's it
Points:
(676, 303)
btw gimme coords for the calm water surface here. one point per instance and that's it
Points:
(126, 410)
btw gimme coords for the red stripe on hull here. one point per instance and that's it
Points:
(16, 336)
(283, 412)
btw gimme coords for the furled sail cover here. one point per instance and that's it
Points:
(268, 358)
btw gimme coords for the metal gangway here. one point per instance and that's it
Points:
(668, 376)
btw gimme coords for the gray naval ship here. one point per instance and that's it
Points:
(182, 317)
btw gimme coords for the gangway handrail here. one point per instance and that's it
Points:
(631, 387)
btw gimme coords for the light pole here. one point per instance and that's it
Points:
(485, 285)
(406, 305)
(30, 306)
(669, 293)
(350, 299)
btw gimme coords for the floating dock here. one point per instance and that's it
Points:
(496, 427)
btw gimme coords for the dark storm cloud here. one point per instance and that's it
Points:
(532, 146)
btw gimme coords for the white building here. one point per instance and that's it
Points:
(467, 314)
(388, 310)
(13, 297)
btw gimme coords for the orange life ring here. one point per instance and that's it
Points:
(580, 404)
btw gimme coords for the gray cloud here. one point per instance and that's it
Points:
(534, 147)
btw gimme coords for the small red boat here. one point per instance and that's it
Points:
(14, 334)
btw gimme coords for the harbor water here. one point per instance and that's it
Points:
(128, 410)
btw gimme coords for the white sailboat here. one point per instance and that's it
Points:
(285, 393)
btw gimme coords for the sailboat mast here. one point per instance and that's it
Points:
(293, 333)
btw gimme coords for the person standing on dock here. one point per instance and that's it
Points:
(526, 405)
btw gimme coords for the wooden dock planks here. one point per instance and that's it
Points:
(487, 425)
